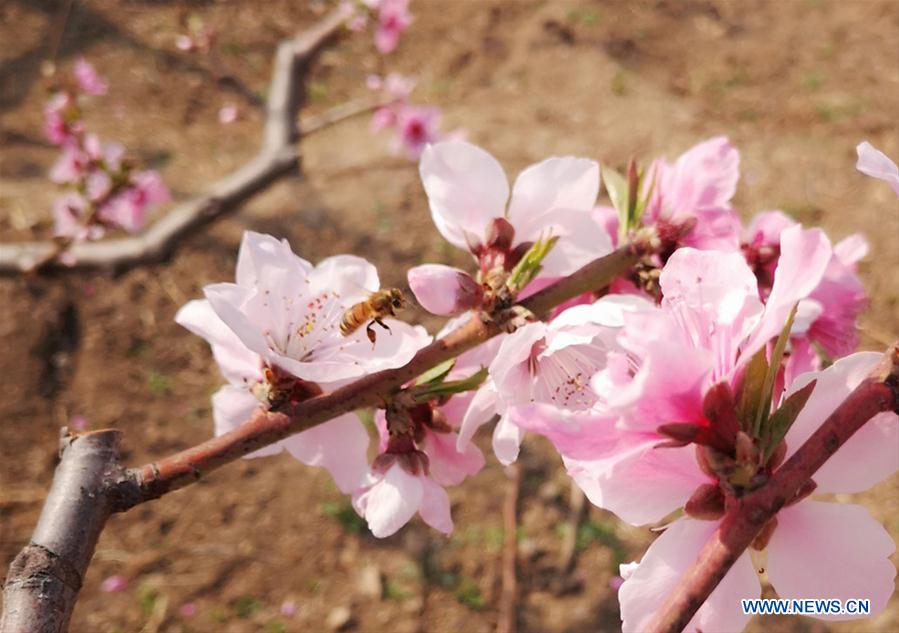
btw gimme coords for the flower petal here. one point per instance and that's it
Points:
(482, 408)
(466, 189)
(830, 550)
(660, 572)
(435, 506)
(872, 162)
(448, 465)
(339, 445)
(239, 365)
(872, 453)
(391, 501)
(507, 439)
(638, 482)
(555, 183)
(231, 407)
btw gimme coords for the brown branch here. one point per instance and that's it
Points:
(277, 157)
(45, 577)
(91, 488)
(508, 612)
(877, 393)
(338, 114)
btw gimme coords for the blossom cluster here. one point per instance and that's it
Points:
(669, 394)
(392, 17)
(412, 126)
(103, 190)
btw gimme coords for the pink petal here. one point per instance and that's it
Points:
(448, 465)
(766, 227)
(660, 572)
(339, 445)
(391, 501)
(575, 434)
(715, 229)
(466, 189)
(435, 506)
(638, 482)
(233, 406)
(830, 550)
(705, 176)
(850, 250)
(555, 183)
(352, 278)
(239, 365)
(259, 251)
(444, 290)
(581, 240)
(872, 162)
(804, 256)
(480, 411)
(507, 439)
(872, 454)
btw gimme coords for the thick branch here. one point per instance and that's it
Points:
(265, 428)
(877, 393)
(277, 157)
(45, 577)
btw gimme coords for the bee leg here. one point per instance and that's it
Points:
(370, 332)
(383, 325)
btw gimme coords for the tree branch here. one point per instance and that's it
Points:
(745, 519)
(90, 484)
(277, 157)
(44, 579)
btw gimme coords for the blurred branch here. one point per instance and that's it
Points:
(277, 157)
(338, 114)
(508, 613)
(90, 485)
(745, 519)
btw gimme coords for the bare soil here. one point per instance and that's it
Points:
(796, 85)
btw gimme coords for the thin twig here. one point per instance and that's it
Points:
(745, 519)
(277, 157)
(338, 114)
(577, 510)
(508, 610)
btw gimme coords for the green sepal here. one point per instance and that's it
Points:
(530, 264)
(436, 373)
(751, 390)
(433, 390)
(782, 419)
(776, 357)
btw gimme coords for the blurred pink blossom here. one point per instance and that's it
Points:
(872, 162)
(288, 608)
(187, 610)
(114, 584)
(393, 19)
(88, 78)
(228, 113)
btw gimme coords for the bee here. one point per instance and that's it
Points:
(380, 304)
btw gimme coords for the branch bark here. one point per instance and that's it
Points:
(44, 579)
(877, 393)
(278, 157)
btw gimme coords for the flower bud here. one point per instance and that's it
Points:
(444, 290)
(706, 503)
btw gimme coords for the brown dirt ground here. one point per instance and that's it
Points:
(796, 84)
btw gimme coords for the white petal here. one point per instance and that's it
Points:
(555, 183)
(338, 445)
(466, 189)
(831, 550)
(231, 407)
(660, 571)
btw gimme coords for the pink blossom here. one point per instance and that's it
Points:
(829, 315)
(114, 584)
(468, 191)
(88, 78)
(872, 162)
(60, 119)
(187, 610)
(393, 19)
(857, 546)
(288, 608)
(184, 42)
(129, 208)
(690, 201)
(388, 500)
(228, 114)
(289, 311)
(444, 290)
(71, 167)
(69, 218)
(416, 126)
(78, 422)
(267, 268)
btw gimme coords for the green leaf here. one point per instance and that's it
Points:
(530, 264)
(751, 393)
(616, 186)
(643, 201)
(432, 390)
(437, 373)
(773, 367)
(782, 419)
